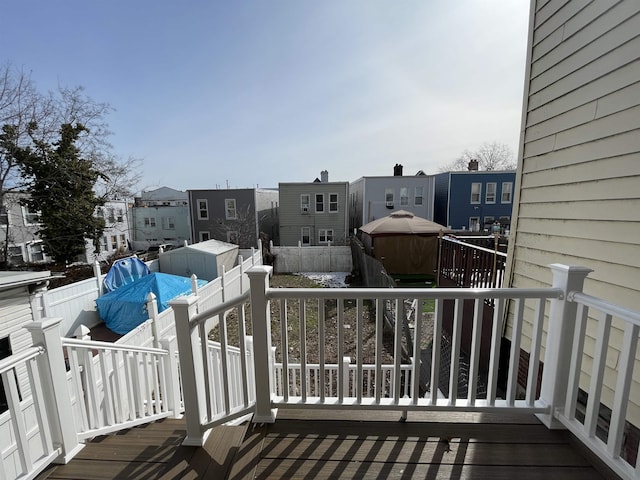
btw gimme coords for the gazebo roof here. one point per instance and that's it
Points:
(403, 222)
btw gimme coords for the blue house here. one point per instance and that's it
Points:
(474, 200)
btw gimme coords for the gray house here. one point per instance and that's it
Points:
(18, 226)
(234, 215)
(314, 213)
(160, 216)
(371, 198)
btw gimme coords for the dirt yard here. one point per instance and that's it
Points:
(311, 322)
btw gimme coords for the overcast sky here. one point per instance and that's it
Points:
(246, 93)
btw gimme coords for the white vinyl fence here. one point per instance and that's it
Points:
(312, 259)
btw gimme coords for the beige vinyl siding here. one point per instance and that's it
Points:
(578, 182)
(15, 312)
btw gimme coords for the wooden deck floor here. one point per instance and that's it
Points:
(343, 445)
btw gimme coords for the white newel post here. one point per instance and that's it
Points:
(152, 310)
(171, 374)
(261, 319)
(52, 368)
(97, 274)
(557, 359)
(190, 369)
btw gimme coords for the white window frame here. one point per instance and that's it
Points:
(104, 243)
(36, 250)
(114, 242)
(490, 193)
(305, 203)
(476, 196)
(507, 189)
(333, 203)
(325, 235)
(169, 223)
(150, 222)
(28, 215)
(230, 210)
(474, 221)
(202, 205)
(316, 197)
(120, 217)
(204, 236)
(404, 196)
(418, 196)
(306, 230)
(231, 234)
(388, 197)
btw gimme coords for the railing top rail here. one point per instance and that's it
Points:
(8, 363)
(475, 247)
(218, 309)
(419, 293)
(74, 342)
(626, 314)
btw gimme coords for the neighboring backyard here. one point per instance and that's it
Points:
(311, 316)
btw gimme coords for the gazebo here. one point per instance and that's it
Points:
(403, 243)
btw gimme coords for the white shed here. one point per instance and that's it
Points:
(205, 259)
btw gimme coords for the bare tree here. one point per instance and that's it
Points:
(28, 116)
(490, 156)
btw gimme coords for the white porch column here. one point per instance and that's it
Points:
(557, 359)
(261, 319)
(190, 369)
(54, 384)
(152, 309)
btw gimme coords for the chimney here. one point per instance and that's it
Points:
(324, 176)
(397, 170)
(473, 165)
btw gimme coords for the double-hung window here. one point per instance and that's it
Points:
(418, 199)
(319, 202)
(490, 195)
(388, 197)
(230, 212)
(305, 203)
(169, 223)
(203, 210)
(333, 202)
(305, 235)
(30, 217)
(476, 192)
(150, 222)
(325, 235)
(507, 192)
(404, 196)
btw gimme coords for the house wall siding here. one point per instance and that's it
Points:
(578, 182)
(15, 311)
(292, 219)
(371, 200)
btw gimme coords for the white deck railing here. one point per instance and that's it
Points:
(121, 385)
(118, 386)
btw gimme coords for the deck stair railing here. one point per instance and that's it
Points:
(120, 386)
(217, 377)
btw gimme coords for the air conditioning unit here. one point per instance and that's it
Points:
(389, 204)
(305, 209)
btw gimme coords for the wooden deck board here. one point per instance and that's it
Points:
(343, 446)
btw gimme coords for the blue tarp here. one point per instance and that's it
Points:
(125, 308)
(125, 271)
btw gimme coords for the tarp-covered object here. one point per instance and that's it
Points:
(125, 271)
(404, 244)
(125, 308)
